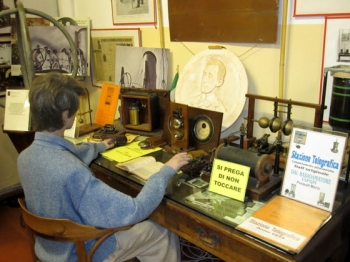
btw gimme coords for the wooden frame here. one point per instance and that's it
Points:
(106, 71)
(333, 25)
(126, 12)
(223, 21)
(320, 8)
(145, 113)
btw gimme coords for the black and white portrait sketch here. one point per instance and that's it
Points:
(215, 80)
(51, 50)
(130, 7)
(344, 45)
(5, 54)
(133, 11)
(142, 67)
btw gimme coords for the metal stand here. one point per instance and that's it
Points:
(278, 152)
(91, 127)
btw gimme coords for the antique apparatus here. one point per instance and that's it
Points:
(199, 163)
(192, 128)
(140, 110)
(339, 115)
(261, 181)
(89, 127)
(275, 126)
(275, 122)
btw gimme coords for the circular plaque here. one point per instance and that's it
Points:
(214, 79)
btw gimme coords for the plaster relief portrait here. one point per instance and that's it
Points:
(215, 80)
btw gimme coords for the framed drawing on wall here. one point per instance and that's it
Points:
(133, 12)
(103, 46)
(335, 54)
(54, 53)
(321, 7)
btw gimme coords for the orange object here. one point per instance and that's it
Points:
(107, 104)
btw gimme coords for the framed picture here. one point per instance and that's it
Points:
(321, 7)
(15, 60)
(5, 54)
(133, 12)
(336, 53)
(81, 38)
(54, 53)
(142, 67)
(103, 46)
(5, 66)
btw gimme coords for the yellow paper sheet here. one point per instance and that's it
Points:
(128, 152)
(229, 179)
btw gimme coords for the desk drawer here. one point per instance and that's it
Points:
(216, 238)
(116, 182)
(127, 187)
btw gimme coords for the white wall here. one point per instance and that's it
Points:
(262, 62)
(47, 6)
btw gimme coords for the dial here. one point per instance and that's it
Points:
(203, 129)
(178, 135)
(177, 123)
(169, 123)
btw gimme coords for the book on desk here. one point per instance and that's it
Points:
(307, 197)
(143, 167)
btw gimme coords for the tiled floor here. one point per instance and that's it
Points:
(14, 241)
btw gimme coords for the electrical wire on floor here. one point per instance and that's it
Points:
(194, 253)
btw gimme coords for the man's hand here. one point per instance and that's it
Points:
(109, 143)
(179, 160)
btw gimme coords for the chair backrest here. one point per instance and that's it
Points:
(65, 230)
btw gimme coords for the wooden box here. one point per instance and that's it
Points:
(147, 110)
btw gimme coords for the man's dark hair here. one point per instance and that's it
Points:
(49, 96)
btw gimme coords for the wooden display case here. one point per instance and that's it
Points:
(142, 106)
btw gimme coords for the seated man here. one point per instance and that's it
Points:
(58, 183)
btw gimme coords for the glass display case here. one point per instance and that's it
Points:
(208, 220)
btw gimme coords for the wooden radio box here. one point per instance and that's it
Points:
(140, 111)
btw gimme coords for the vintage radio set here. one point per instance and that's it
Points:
(193, 128)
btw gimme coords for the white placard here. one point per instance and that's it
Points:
(313, 166)
(17, 110)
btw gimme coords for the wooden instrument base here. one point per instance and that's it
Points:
(175, 149)
(88, 128)
(262, 192)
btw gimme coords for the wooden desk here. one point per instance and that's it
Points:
(221, 240)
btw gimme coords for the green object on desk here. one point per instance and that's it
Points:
(128, 152)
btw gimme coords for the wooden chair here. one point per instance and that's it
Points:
(65, 230)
